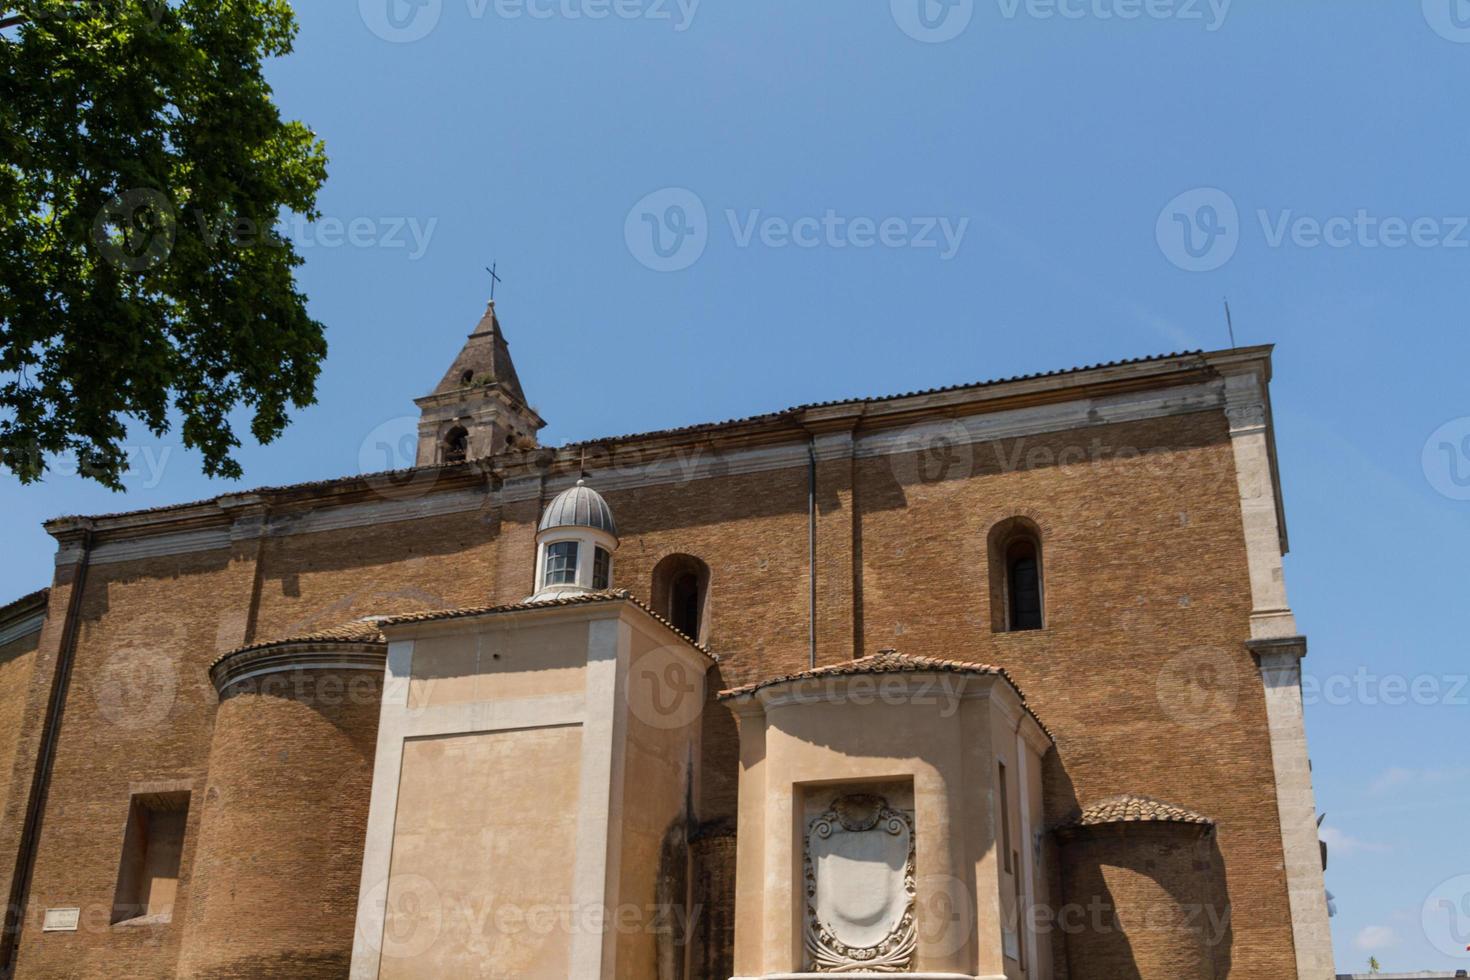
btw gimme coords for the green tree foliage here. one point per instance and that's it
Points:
(143, 168)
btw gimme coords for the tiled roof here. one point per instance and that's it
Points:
(879, 399)
(580, 599)
(659, 433)
(358, 632)
(890, 662)
(884, 662)
(30, 598)
(1134, 809)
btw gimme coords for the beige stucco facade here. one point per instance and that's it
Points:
(944, 740)
(499, 833)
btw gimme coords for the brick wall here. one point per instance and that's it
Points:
(276, 870)
(1146, 584)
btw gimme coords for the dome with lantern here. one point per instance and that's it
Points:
(575, 542)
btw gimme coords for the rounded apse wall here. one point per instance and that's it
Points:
(1145, 902)
(273, 891)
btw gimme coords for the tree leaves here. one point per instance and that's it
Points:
(143, 168)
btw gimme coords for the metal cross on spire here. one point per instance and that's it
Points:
(493, 278)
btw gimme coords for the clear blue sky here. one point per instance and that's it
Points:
(1053, 147)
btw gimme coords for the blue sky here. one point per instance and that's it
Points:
(892, 202)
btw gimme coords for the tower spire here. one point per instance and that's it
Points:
(478, 408)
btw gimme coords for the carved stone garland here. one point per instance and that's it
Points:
(827, 953)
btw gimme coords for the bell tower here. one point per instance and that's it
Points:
(478, 409)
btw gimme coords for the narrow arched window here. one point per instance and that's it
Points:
(684, 604)
(681, 594)
(1023, 573)
(1017, 577)
(456, 445)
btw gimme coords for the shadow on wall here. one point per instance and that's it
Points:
(1144, 902)
(1133, 901)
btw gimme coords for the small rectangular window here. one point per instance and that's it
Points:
(601, 569)
(153, 845)
(561, 563)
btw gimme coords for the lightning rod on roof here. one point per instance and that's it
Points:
(1230, 324)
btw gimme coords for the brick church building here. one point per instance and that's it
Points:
(991, 681)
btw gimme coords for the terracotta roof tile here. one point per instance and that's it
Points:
(883, 662)
(1134, 809)
(581, 599)
(677, 431)
(358, 632)
(890, 662)
(30, 598)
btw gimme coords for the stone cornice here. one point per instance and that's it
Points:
(862, 428)
(283, 658)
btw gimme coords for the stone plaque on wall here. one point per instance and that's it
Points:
(61, 920)
(859, 870)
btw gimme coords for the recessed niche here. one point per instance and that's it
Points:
(148, 874)
(858, 869)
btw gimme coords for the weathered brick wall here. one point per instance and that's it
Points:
(1141, 672)
(17, 667)
(1146, 586)
(139, 714)
(276, 871)
(1147, 903)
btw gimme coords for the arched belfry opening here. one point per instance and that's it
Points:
(456, 445)
(480, 397)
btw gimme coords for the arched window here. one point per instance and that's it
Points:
(681, 594)
(1017, 593)
(456, 445)
(1023, 585)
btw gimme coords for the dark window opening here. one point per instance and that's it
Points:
(1023, 573)
(561, 563)
(153, 844)
(601, 569)
(681, 594)
(467, 378)
(684, 604)
(456, 445)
